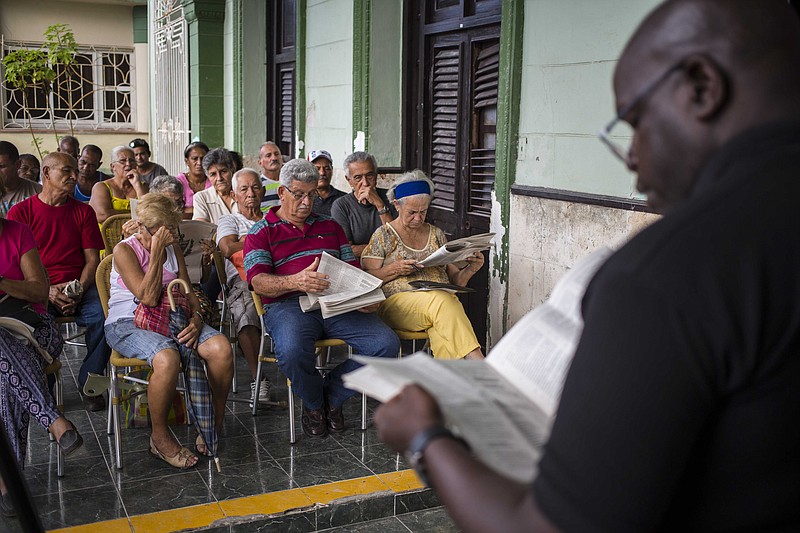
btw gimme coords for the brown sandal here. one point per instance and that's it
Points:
(179, 460)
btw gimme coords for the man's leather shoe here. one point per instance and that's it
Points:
(93, 403)
(313, 422)
(335, 419)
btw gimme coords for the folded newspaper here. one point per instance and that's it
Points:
(458, 250)
(423, 285)
(350, 288)
(504, 406)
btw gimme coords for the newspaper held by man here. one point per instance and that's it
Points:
(503, 406)
(350, 288)
(458, 250)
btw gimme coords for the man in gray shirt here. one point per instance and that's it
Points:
(364, 210)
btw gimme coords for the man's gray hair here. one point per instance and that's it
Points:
(412, 175)
(358, 157)
(298, 170)
(218, 157)
(242, 172)
(166, 185)
(117, 149)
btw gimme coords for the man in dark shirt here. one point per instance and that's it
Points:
(680, 408)
(366, 208)
(327, 193)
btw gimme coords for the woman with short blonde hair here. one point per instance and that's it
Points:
(144, 264)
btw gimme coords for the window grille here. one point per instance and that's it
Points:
(95, 92)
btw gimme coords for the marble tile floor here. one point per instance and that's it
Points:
(343, 482)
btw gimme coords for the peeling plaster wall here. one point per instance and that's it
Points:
(547, 237)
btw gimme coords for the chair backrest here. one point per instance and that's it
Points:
(112, 231)
(222, 274)
(102, 279)
(258, 303)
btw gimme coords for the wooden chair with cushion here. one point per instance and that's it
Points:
(111, 229)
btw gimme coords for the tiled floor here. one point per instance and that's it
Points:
(256, 459)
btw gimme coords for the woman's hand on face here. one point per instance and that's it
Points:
(131, 227)
(162, 238)
(406, 267)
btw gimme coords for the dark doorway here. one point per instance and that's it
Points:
(455, 47)
(282, 18)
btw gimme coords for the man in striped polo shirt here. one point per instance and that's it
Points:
(282, 252)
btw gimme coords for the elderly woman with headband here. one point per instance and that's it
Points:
(393, 255)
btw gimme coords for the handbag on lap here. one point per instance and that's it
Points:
(156, 319)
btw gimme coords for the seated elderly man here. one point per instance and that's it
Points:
(231, 232)
(366, 208)
(281, 255)
(69, 243)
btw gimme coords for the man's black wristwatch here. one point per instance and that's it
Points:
(416, 450)
(383, 210)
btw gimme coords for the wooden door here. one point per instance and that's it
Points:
(454, 115)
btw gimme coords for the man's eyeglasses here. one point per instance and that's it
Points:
(622, 128)
(312, 195)
(361, 177)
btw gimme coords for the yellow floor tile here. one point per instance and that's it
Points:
(120, 525)
(329, 492)
(177, 519)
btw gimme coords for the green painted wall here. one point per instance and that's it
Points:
(384, 138)
(329, 78)
(139, 14)
(570, 50)
(253, 91)
(206, 70)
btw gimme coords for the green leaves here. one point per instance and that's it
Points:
(36, 69)
(28, 69)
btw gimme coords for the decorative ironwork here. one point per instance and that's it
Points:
(96, 92)
(170, 84)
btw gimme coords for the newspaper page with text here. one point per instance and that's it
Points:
(350, 288)
(503, 406)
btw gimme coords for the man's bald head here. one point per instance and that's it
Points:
(695, 74)
(751, 40)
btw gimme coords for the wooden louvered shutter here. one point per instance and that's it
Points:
(281, 79)
(484, 126)
(446, 88)
(285, 113)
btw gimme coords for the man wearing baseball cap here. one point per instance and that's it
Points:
(323, 162)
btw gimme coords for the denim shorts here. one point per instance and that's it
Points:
(136, 343)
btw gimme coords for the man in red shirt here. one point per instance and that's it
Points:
(69, 242)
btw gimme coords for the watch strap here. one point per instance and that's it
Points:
(421, 440)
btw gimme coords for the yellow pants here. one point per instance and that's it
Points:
(438, 313)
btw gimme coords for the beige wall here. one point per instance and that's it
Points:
(547, 237)
(93, 24)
